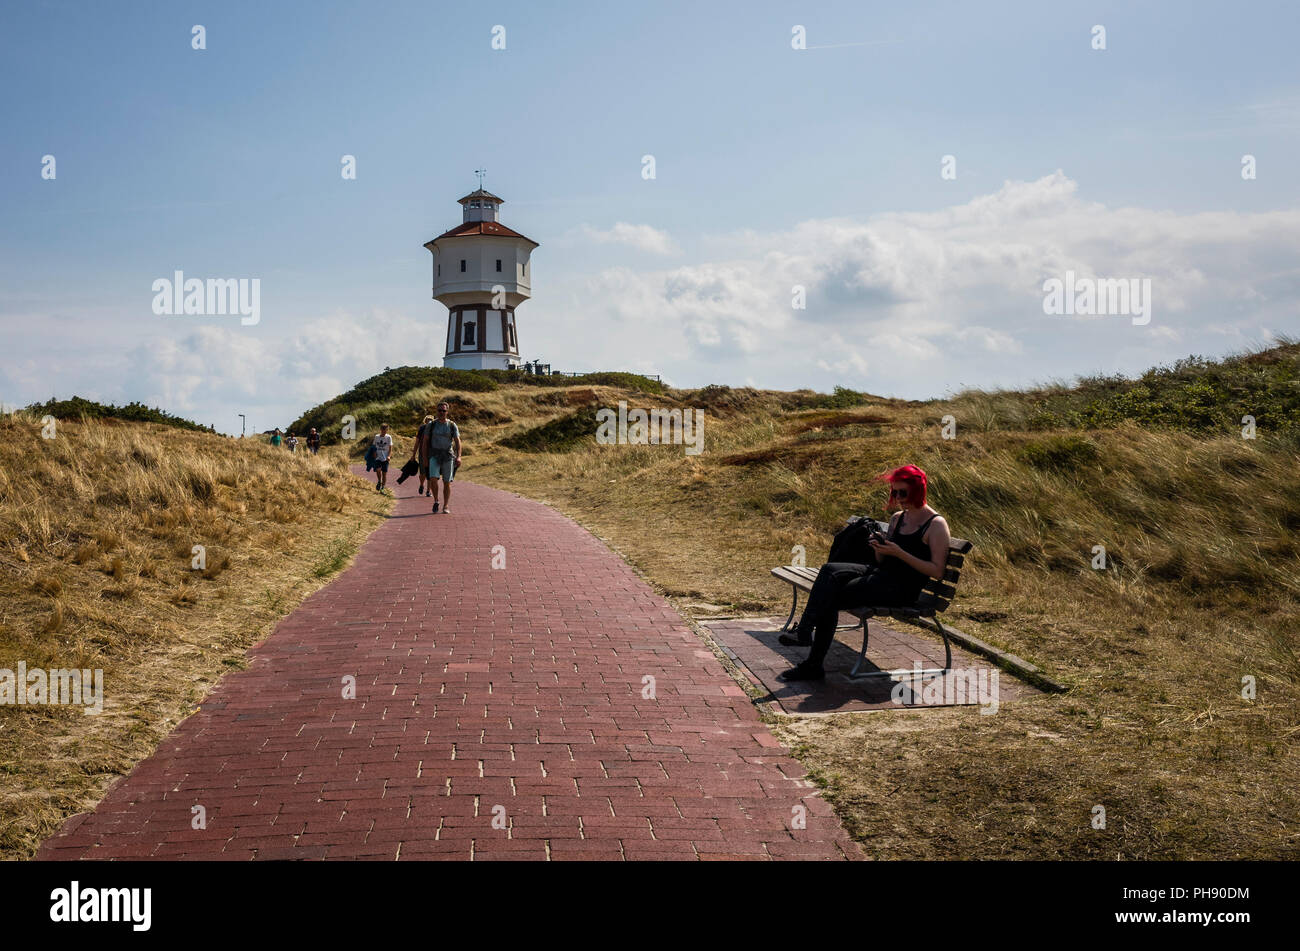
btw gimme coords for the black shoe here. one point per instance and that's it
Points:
(795, 640)
(435, 508)
(803, 671)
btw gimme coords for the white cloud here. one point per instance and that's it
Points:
(1282, 113)
(641, 237)
(910, 304)
(215, 372)
(907, 302)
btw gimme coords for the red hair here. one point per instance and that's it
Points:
(912, 476)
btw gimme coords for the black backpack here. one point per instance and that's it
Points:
(851, 542)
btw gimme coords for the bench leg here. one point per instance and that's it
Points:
(862, 655)
(947, 645)
(794, 604)
(928, 671)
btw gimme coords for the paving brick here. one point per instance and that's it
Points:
(893, 645)
(476, 688)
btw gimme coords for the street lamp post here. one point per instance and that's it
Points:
(243, 425)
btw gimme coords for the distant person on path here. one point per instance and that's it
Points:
(276, 440)
(313, 441)
(293, 443)
(383, 446)
(914, 549)
(442, 437)
(420, 452)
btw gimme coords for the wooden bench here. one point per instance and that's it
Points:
(933, 601)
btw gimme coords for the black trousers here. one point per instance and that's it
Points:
(839, 586)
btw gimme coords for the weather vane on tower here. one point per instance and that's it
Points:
(480, 172)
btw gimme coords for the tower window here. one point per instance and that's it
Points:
(462, 265)
(469, 335)
(440, 270)
(498, 264)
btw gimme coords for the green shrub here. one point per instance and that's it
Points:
(628, 381)
(843, 398)
(386, 387)
(559, 435)
(720, 399)
(78, 408)
(1059, 453)
(1193, 394)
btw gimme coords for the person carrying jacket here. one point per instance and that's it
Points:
(443, 446)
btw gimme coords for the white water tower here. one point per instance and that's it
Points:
(481, 273)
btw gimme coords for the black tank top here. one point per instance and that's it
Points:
(910, 580)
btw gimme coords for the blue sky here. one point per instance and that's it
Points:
(774, 166)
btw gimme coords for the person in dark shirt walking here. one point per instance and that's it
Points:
(420, 452)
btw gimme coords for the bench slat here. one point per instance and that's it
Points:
(801, 571)
(890, 612)
(931, 602)
(792, 575)
(791, 572)
(939, 589)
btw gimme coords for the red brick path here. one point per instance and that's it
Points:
(482, 694)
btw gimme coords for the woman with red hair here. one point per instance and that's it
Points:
(914, 548)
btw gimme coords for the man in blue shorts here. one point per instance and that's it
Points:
(383, 446)
(442, 437)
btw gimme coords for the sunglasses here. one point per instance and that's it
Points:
(898, 494)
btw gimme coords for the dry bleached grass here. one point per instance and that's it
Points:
(1202, 588)
(97, 528)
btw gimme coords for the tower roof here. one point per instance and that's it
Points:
(489, 228)
(481, 193)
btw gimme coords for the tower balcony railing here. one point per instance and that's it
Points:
(537, 368)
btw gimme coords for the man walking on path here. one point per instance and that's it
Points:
(313, 441)
(383, 446)
(442, 437)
